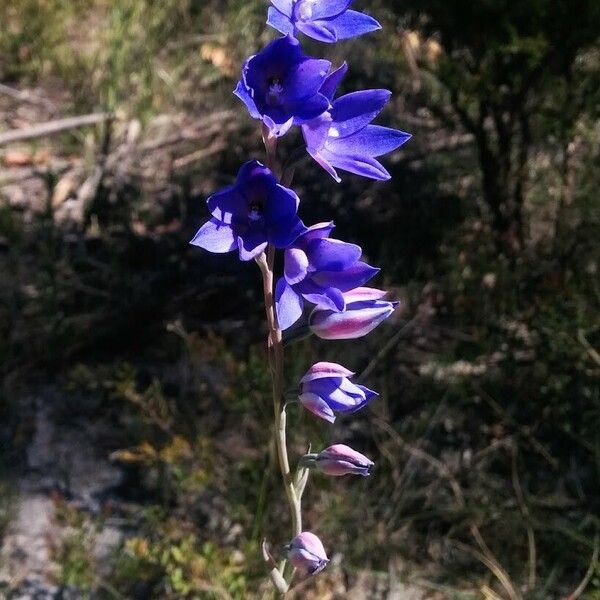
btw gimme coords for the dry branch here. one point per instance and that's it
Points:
(53, 127)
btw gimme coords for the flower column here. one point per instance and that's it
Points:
(257, 215)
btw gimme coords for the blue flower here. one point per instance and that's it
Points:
(323, 20)
(343, 137)
(318, 270)
(248, 215)
(280, 86)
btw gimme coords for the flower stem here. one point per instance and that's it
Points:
(275, 345)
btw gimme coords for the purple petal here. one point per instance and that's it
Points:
(325, 369)
(356, 321)
(323, 9)
(317, 406)
(318, 30)
(364, 293)
(348, 279)
(288, 304)
(373, 140)
(354, 111)
(296, 265)
(241, 91)
(316, 132)
(216, 237)
(352, 23)
(332, 82)
(278, 129)
(282, 205)
(283, 234)
(330, 298)
(306, 79)
(307, 109)
(365, 166)
(279, 21)
(251, 244)
(332, 255)
(325, 164)
(285, 6)
(227, 205)
(318, 231)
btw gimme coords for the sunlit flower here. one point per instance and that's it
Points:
(249, 214)
(323, 20)
(280, 85)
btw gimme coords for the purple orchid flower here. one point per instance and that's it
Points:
(253, 212)
(338, 460)
(280, 86)
(318, 270)
(307, 554)
(343, 138)
(327, 389)
(323, 20)
(364, 311)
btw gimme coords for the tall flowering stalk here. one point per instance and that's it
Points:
(323, 278)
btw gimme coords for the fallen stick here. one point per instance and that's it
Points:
(53, 127)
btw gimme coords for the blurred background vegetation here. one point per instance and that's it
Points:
(135, 458)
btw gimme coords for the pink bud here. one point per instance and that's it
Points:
(364, 311)
(307, 554)
(340, 459)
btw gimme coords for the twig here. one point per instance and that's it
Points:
(186, 161)
(26, 97)
(490, 560)
(53, 127)
(590, 572)
(592, 353)
(386, 349)
(536, 445)
(532, 558)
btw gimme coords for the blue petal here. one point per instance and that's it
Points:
(283, 234)
(281, 205)
(365, 166)
(285, 6)
(288, 304)
(278, 129)
(331, 299)
(215, 236)
(318, 31)
(227, 205)
(327, 166)
(323, 9)
(348, 279)
(308, 109)
(242, 93)
(332, 255)
(315, 132)
(251, 244)
(373, 140)
(351, 24)
(279, 21)
(355, 111)
(295, 265)
(305, 79)
(331, 84)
